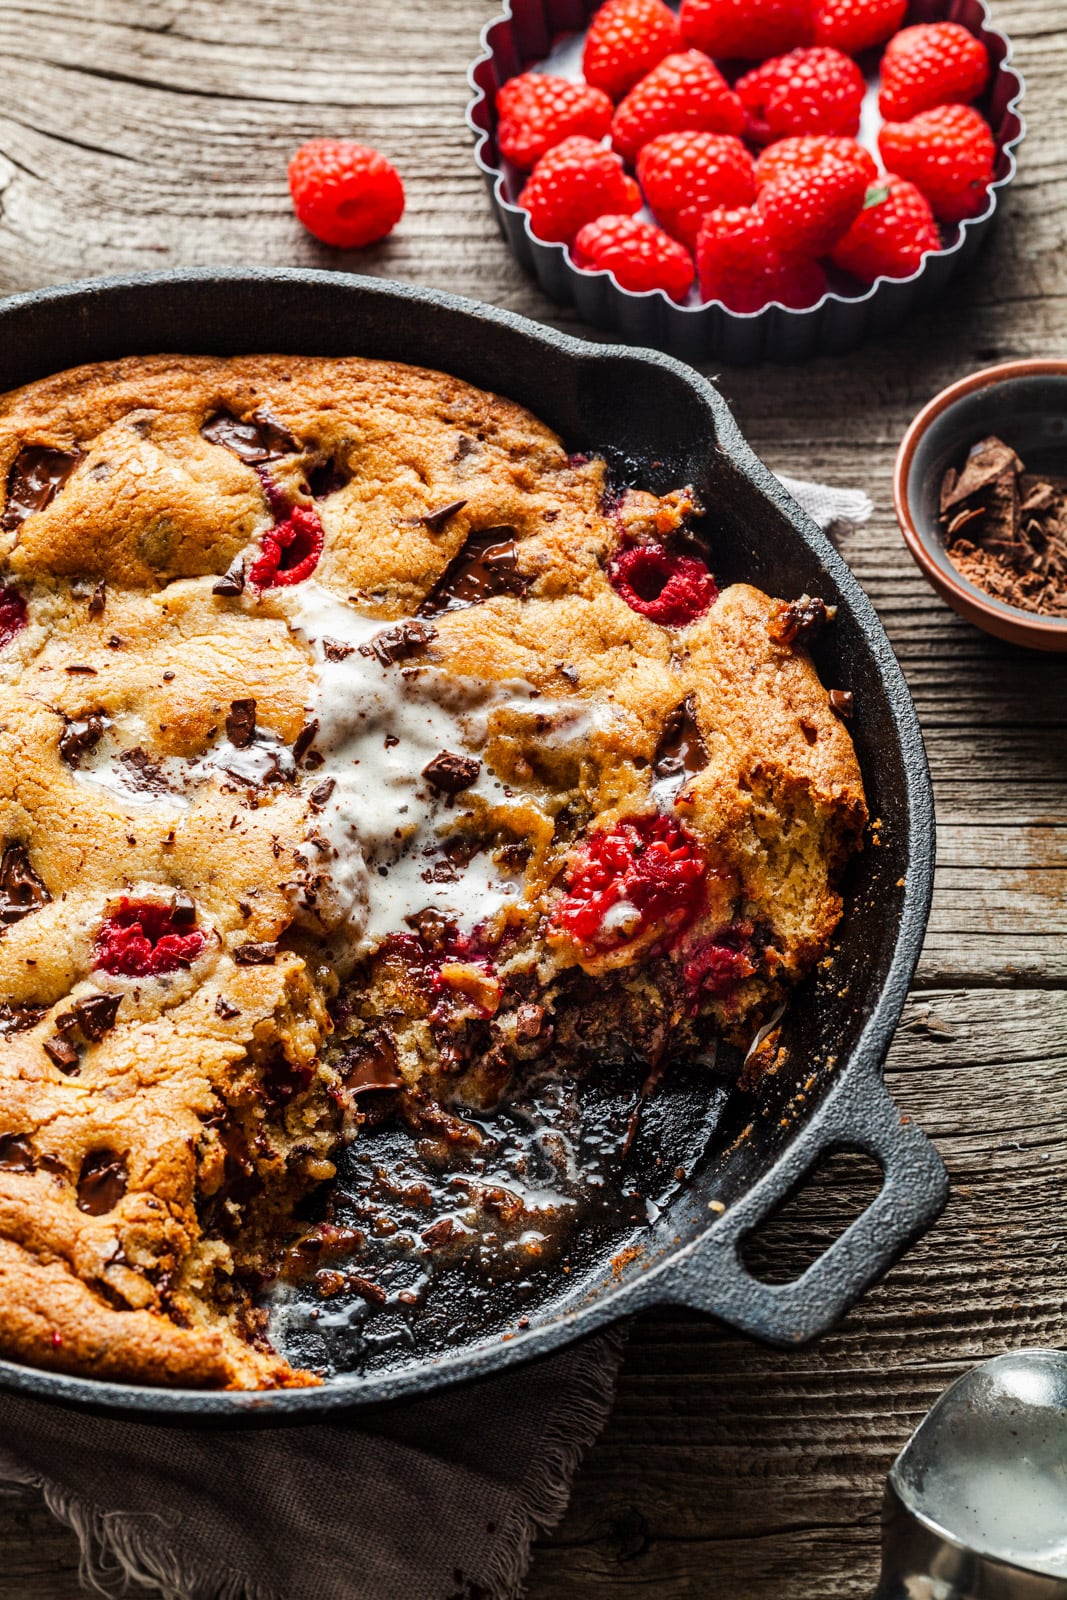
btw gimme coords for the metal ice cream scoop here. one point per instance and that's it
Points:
(976, 1502)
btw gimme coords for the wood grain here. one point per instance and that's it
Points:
(139, 134)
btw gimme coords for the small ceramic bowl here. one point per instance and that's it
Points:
(1025, 404)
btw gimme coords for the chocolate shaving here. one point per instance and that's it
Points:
(451, 774)
(1005, 528)
(256, 955)
(398, 643)
(255, 440)
(142, 772)
(80, 735)
(241, 722)
(322, 792)
(226, 1009)
(21, 890)
(36, 476)
(436, 520)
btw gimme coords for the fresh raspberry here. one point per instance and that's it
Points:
(640, 255)
(345, 194)
(685, 175)
(12, 615)
(289, 552)
(857, 25)
(641, 881)
(931, 64)
(684, 91)
(806, 91)
(626, 39)
(573, 184)
(537, 111)
(141, 939)
(891, 233)
(806, 211)
(739, 266)
(662, 585)
(947, 153)
(810, 151)
(750, 29)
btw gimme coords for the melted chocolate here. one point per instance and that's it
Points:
(399, 642)
(102, 1183)
(258, 439)
(451, 774)
(262, 954)
(326, 479)
(487, 565)
(16, 1153)
(16, 1019)
(800, 620)
(81, 734)
(37, 474)
(241, 723)
(142, 772)
(681, 751)
(21, 890)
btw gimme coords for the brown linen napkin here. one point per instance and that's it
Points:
(431, 1499)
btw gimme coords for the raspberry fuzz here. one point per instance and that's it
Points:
(626, 39)
(538, 111)
(641, 256)
(347, 195)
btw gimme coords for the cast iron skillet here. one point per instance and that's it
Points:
(661, 425)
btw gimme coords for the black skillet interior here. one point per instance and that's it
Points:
(660, 425)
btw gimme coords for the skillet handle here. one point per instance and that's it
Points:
(710, 1276)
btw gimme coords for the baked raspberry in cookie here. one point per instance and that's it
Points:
(350, 729)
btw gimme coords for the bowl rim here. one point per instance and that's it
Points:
(976, 604)
(494, 172)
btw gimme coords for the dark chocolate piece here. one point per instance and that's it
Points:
(37, 474)
(80, 735)
(255, 440)
(433, 927)
(681, 751)
(800, 620)
(322, 792)
(63, 1053)
(16, 1153)
(372, 1064)
(96, 1013)
(326, 478)
(81, 667)
(226, 1009)
(487, 565)
(256, 955)
(232, 582)
(451, 774)
(841, 702)
(436, 520)
(399, 642)
(101, 1183)
(182, 909)
(305, 739)
(241, 722)
(98, 599)
(336, 649)
(439, 1232)
(21, 890)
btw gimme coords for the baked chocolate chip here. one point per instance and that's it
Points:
(322, 792)
(241, 722)
(326, 478)
(98, 599)
(399, 642)
(226, 1009)
(182, 909)
(681, 751)
(81, 668)
(232, 582)
(371, 1292)
(451, 774)
(63, 1053)
(96, 1013)
(800, 619)
(842, 702)
(529, 1020)
(101, 1183)
(81, 734)
(16, 1153)
(255, 440)
(372, 1064)
(487, 565)
(260, 954)
(433, 927)
(36, 476)
(21, 890)
(305, 739)
(436, 520)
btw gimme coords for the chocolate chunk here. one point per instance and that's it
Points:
(98, 599)
(226, 1009)
(436, 520)
(81, 734)
(182, 909)
(398, 643)
(326, 478)
(841, 702)
(336, 649)
(142, 772)
(305, 739)
(258, 439)
(372, 1064)
(451, 774)
(438, 1232)
(241, 722)
(101, 1183)
(487, 565)
(16, 1153)
(681, 751)
(16, 1019)
(63, 1053)
(81, 667)
(21, 890)
(37, 474)
(433, 927)
(322, 792)
(800, 620)
(96, 1014)
(232, 582)
(256, 955)
(987, 461)
(513, 857)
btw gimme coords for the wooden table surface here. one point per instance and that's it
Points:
(138, 134)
